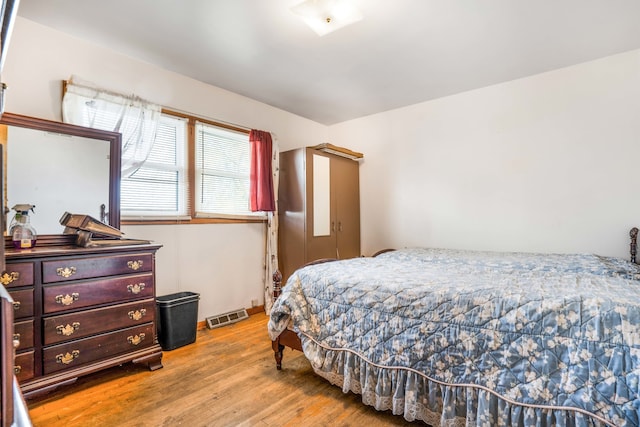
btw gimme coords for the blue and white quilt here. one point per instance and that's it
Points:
(474, 338)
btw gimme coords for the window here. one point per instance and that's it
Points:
(219, 187)
(175, 167)
(159, 187)
(222, 172)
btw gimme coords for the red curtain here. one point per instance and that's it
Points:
(261, 197)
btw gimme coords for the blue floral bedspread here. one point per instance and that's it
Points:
(475, 338)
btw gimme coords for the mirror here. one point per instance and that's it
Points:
(60, 167)
(321, 196)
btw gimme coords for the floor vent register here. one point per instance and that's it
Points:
(226, 318)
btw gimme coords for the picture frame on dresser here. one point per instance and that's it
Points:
(78, 310)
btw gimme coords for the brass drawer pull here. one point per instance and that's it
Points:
(67, 299)
(17, 369)
(16, 340)
(68, 330)
(67, 358)
(135, 265)
(7, 278)
(136, 288)
(16, 305)
(66, 272)
(138, 314)
(136, 340)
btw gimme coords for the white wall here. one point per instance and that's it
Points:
(224, 263)
(546, 164)
(221, 262)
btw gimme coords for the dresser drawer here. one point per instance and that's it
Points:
(22, 303)
(76, 353)
(61, 270)
(91, 322)
(18, 274)
(23, 332)
(23, 366)
(70, 297)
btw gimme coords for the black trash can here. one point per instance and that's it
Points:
(177, 319)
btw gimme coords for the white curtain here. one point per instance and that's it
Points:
(271, 255)
(137, 120)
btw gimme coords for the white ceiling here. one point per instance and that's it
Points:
(402, 52)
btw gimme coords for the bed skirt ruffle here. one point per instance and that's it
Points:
(415, 396)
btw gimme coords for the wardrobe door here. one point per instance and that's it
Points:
(345, 189)
(292, 201)
(321, 208)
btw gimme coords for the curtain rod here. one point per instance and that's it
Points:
(229, 125)
(66, 83)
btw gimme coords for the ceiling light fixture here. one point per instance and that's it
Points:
(325, 16)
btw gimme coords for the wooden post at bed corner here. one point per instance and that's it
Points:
(633, 234)
(275, 344)
(287, 338)
(277, 284)
(277, 352)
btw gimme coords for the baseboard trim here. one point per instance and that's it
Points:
(255, 310)
(250, 311)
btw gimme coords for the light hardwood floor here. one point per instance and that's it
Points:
(226, 378)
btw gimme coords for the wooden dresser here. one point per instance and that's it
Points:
(80, 310)
(6, 360)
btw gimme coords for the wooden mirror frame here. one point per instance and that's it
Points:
(114, 139)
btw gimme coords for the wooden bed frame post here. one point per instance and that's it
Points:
(633, 233)
(275, 345)
(277, 284)
(287, 338)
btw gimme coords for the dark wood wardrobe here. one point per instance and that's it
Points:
(318, 208)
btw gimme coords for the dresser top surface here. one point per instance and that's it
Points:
(71, 250)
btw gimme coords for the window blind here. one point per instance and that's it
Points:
(158, 188)
(222, 171)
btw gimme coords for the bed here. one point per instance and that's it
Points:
(473, 338)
